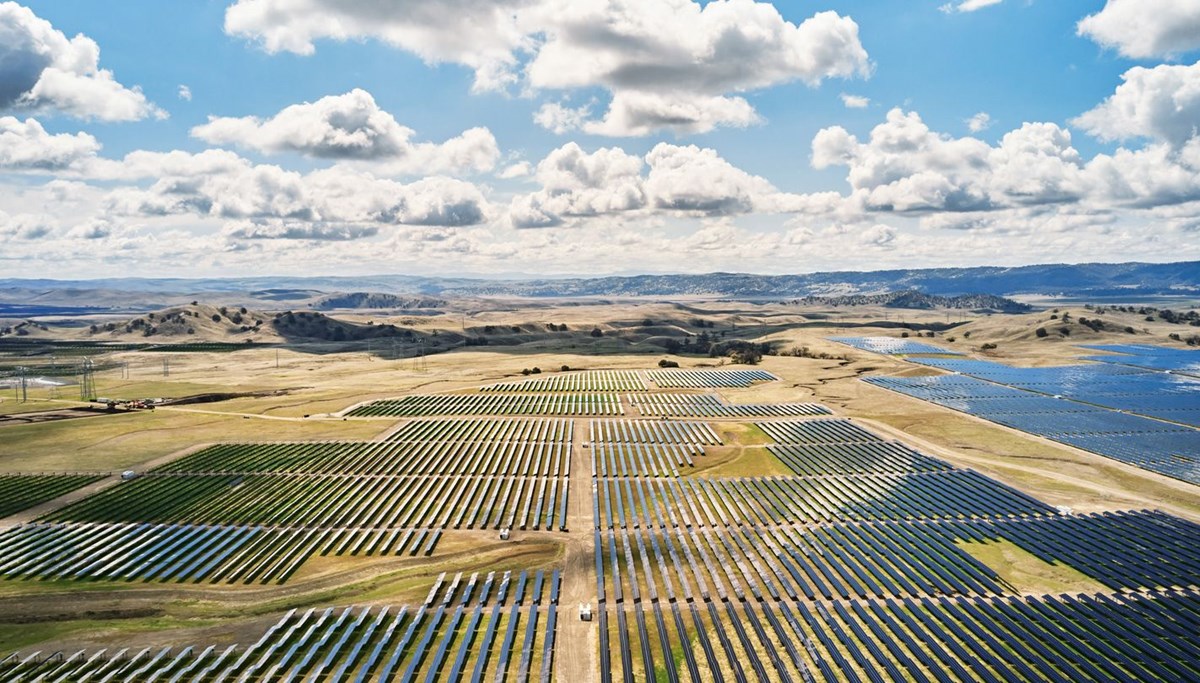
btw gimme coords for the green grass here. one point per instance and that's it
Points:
(1028, 573)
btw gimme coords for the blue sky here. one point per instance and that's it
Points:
(595, 137)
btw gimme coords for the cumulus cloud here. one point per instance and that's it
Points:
(575, 184)
(296, 230)
(519, 169)
(906, 167)
(559, 118)
(91, 229)
(352, 127)
(1161, 103)
(25, 226)
(968, 5)
(481, 34)
(1142, 29)
(698, 180)
(878, 235)
(855, 101)
(185, 93)
(678, 180)
(684, 80)
(26, 146)
(41, 70)
(979, 122)
(643, 113)
(223, 186)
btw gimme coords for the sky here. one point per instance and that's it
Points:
(512, 138)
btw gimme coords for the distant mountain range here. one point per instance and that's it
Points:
(913, 299)
(1076, 281)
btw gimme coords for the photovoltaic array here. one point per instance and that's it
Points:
(857, 569)
(701, 379)
(1170, 397)
(22, 491)
(1169, 449)
(860, 565)
(1181, 361)
(709, 405)
(493, 627)
(597, 380)
(893, 346)
(492, 404)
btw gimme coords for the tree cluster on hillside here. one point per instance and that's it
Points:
(318, 326)
(805, 352)
(914, 299)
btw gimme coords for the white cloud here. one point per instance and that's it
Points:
(968, 5)
(979, 122)
(697, 180)
(1142, 29)
(519, 169)
(25, 226)
(185, 93)
(1162, 103)
(91, 229)
(643, 113)
(481, 34)
(559, 118)
(878, 235)
(295, 230)
(905, 167)
(352, 127)
(684, 79)
(221, 185)
(41, 70)
(577, 184)
(855, 101)
(26, 146)
(679, 181)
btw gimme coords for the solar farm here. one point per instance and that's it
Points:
(1146, 417)
(630, 524)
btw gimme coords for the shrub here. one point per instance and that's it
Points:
(597, 332)
(216, 318)
(1041, 332)
(565, 368)
(987, 347)
(664, 363)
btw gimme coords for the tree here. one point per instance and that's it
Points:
(1041, 332)
(597, 332)
(216, 318)
(664, 363)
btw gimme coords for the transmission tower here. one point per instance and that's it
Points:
(419, 364)
(22, 385)
(87, 380)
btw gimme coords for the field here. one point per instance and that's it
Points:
(835, 512)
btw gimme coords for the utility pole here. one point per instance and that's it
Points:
(276, 359)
